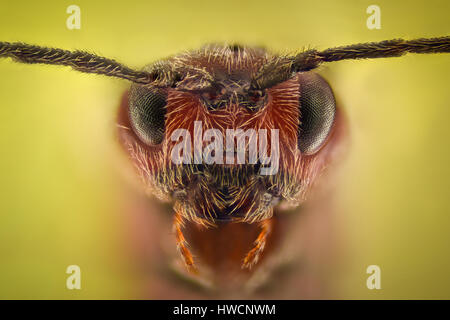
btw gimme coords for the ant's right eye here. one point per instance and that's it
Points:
(147, 110)
(317, 111)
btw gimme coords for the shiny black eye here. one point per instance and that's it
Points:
(317, 111)
(147, 110)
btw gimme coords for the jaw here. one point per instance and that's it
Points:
(218, 193)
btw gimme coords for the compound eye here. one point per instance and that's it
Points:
(147, 110)
(317, 110)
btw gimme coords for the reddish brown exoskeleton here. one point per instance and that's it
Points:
(221, 191)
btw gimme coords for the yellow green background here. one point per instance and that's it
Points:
(60, 198)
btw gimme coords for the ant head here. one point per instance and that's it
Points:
(209, 93)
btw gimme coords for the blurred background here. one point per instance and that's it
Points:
(61, 194)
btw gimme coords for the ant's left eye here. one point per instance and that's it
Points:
(147, 110)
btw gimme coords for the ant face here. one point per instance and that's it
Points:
(214, 91)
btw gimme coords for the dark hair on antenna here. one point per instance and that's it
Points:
(78, 60)
(281, 70)
(275, 71)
